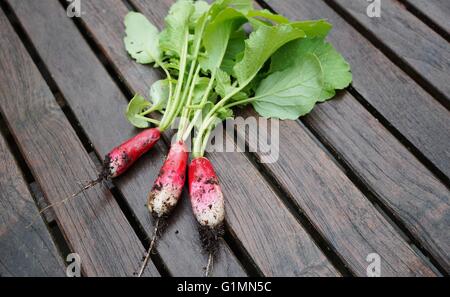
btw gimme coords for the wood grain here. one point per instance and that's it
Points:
(417, 45)
(23, 251)
(260, 219)
(99, 106)
(341, 213)
(405, 105)
(93, 225)
(395, 176)
(436, 10)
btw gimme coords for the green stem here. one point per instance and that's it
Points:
(205, 142)
(185, 115)
(199, 139)
(198, 113)
(153, 121)
(248, 100)
(172, 108)
(149, 111)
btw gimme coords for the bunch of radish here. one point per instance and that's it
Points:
(213, 63)
(216, 57)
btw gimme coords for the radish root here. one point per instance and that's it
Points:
(88, 185)
(149, 251)
(209, 266)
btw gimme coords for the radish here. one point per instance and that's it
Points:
(119, 160)
(170, 182)
(207, 204)
(167, 190)
(123, 156)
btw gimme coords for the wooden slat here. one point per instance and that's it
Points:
(341, 213)
(255, 214)
(93, 225)
(437, 11)
(99, 106)
(23, 251)
(407, 107)
(410, 39)
(394, 175)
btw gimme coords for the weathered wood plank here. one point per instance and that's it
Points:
(407, 107)
(417, 45)
(396, 177)
(255, 214)
(23, 251)
(341, 213)
(99, 106)
(48, 215)
(93, 225)
(437, 11)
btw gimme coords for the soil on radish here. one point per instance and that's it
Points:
(209, 237)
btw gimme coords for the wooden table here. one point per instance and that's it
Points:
(368, 172)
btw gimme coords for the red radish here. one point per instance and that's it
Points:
(170, 182)
(119, 160)
(123, 156)
(207, 204)
(167, 189)
(206, 195)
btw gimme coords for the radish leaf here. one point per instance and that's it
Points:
(177, 24)
(292, 92)
(141, 39)
(159, 94)
(137, 105)
(337, 74)
(261, 44)
(319, 28)
(217, 35)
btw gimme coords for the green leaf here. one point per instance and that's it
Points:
(261, 44)
(337, 74)
(267, 15)
(319, 28)
(177, 25)
(241, 5)
(223, 83)
(136, 106)
(141, 39)
(225, 113)
(290, 93)
(200, 8)
(217, 35)
(199, 90)
(235, 51)
(159, 94)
